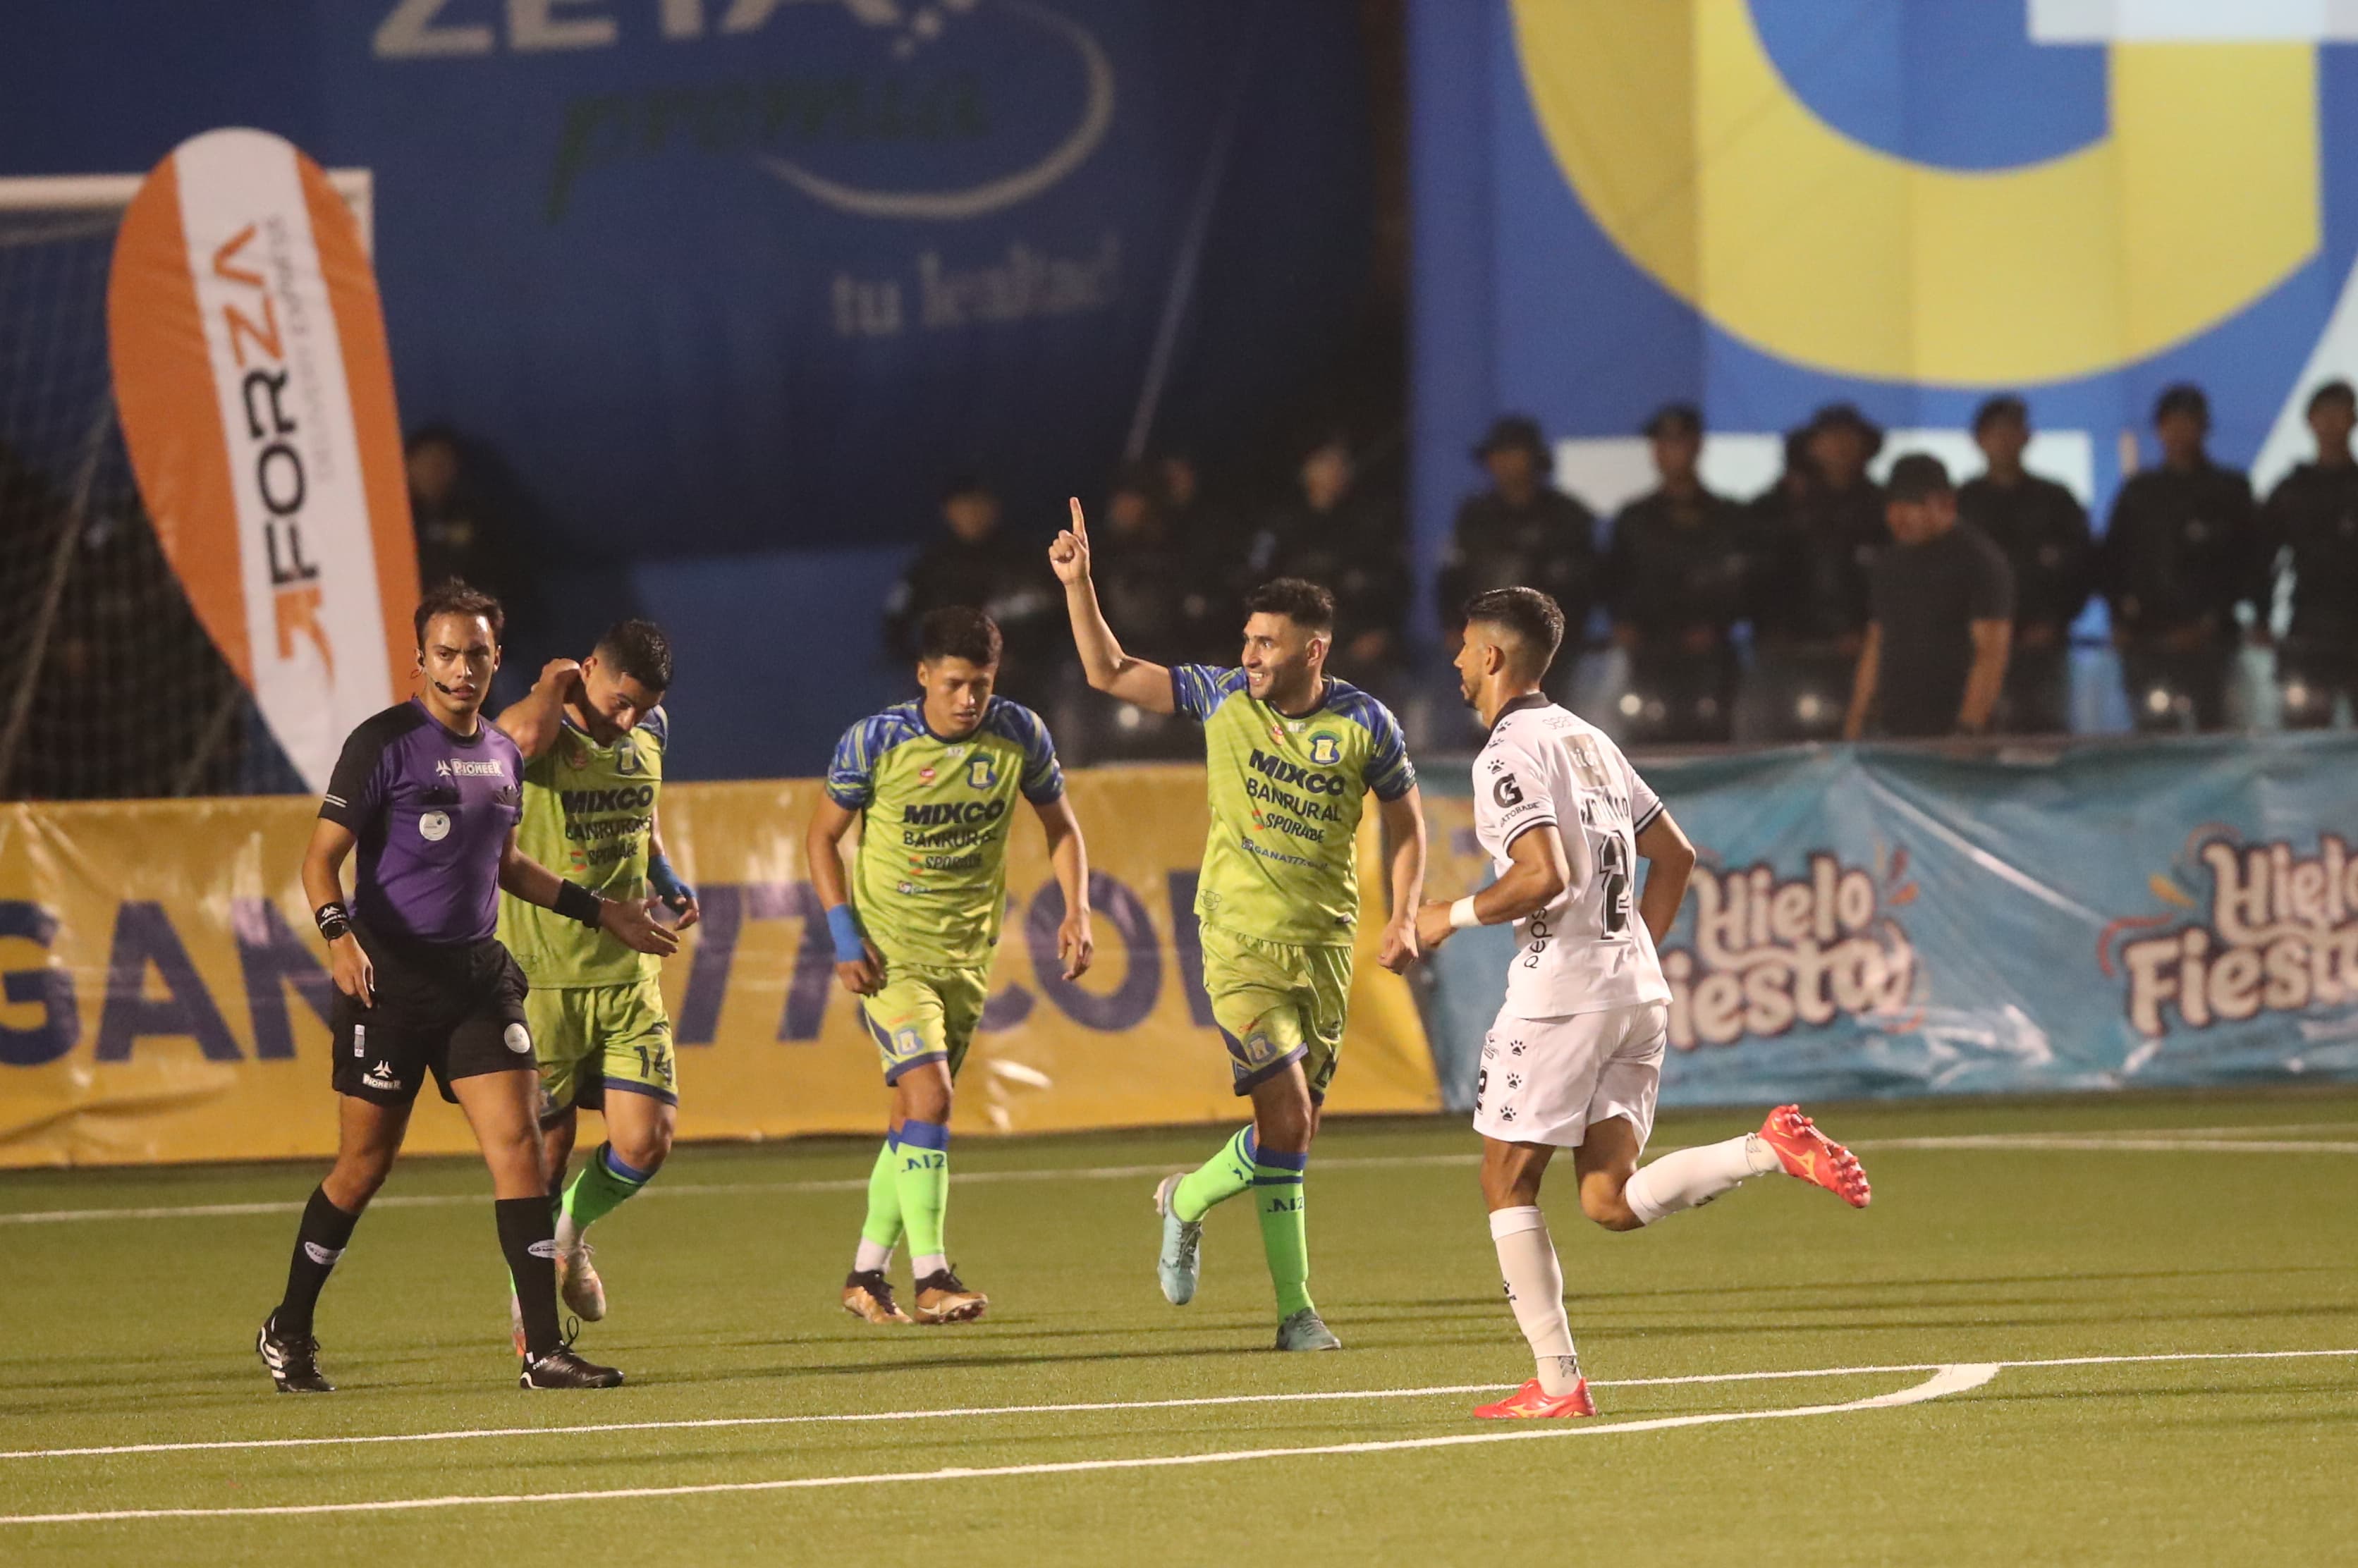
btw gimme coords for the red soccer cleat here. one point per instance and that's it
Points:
(1814, 1157)
(1530, 1402)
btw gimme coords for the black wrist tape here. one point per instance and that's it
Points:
(334, 920)
(576, 903)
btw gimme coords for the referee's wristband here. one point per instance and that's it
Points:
(576, 903)
(1462, 915)
(334, 920)
(843, 926)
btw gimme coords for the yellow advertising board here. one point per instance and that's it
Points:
(162, 993)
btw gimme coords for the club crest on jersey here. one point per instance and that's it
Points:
(982, 773)
(1325, 751)
(434, 826)
(627, 759)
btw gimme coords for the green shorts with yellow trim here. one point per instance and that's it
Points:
(925, 1013)
(593, 1040)
(1277, 1002)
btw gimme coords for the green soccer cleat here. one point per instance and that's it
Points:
(1182, 1261)
(1306, 1330)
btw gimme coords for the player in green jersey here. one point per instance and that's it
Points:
(934, 784)
(593, 736)
(1291, 753)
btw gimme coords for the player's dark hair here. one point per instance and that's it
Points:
(1304, 603)
(638, 649)
(452, 597)
(1529, 616)
(957, 631)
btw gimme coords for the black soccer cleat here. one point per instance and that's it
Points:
(561, 1368)
(293, 1363)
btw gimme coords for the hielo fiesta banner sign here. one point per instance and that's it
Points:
(256, 399)
(1885, 921)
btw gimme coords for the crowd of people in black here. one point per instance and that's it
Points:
(1830, 604)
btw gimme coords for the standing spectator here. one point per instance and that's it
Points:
(1522, 532)
(1352, 548)
(2043, 530)
(2311, 522)
(1677, 578)
(1809, 600)
(977, 564)
(1208, 544)
(462, 533)
(1934, 656)
(2178, 557)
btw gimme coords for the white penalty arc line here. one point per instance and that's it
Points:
(953, 1412)
(1948, 1380)
(2146, 1140)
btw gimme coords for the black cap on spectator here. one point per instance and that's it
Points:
(967, 484)
(1516, 430)
(1684, 418)
(1838, 413)
(1918, 476)
(2183, 397)
(2335, 390)
(2004, 406)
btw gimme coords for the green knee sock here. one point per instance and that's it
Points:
(922, 1180)
(601, 1187)
(882, 1227)
(1284, 1234)
(1218, 1179)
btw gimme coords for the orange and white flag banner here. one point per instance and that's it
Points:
(255, 391)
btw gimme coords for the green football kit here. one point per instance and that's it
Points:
(1277, 907)
(929, 888)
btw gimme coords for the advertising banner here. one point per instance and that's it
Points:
(1764, 206)
(163, 995)
(256, 398)
(1882, 921)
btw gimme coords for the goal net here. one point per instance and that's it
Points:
(109, 686)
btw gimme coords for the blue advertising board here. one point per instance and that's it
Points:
(1890, 921)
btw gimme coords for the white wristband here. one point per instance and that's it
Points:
(1461, 914)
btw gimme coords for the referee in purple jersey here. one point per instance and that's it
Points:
(430, 795)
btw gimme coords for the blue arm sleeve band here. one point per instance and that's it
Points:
(843, 924)
(667, 883)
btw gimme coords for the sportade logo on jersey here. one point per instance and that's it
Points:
(2281, 936)
(1769, 953)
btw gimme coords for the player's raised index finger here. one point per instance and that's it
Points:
(1080, 523)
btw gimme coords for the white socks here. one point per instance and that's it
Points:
(872, 1258)
(931, 1263)
(1687, 1178)
(1527, 1262)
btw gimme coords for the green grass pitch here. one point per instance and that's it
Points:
(2122, 1235)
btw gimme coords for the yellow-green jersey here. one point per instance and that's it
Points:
(589, 813)
(930, 883)
(1282, 861)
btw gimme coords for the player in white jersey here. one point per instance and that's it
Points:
(1575, 1056)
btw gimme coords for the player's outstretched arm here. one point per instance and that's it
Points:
(532, 720)
(323, 885)
(859, 967)
(1540, 872)
(1403, 822)
(1670, 859)
(1138, 682)
(631, 922)
(1076, 946)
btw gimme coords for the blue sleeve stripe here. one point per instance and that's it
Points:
(1389, 772)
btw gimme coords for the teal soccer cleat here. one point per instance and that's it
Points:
(1306, 1330)
(1182, 1261)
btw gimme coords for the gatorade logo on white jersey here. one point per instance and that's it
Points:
(1588, 951)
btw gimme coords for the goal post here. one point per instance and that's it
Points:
(109, 686)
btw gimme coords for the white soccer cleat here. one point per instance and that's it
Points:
(1181, 1261)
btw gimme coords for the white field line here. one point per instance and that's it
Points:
(2147, 1139)
(1953, 1379)
(1198, 1402)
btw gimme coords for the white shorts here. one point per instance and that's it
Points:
(1546, 1080)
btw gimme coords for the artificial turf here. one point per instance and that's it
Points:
(2089, 1229)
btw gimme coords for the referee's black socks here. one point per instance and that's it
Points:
(529, 1237)
(325, 1232)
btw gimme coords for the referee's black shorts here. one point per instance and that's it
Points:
(454, 1011)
